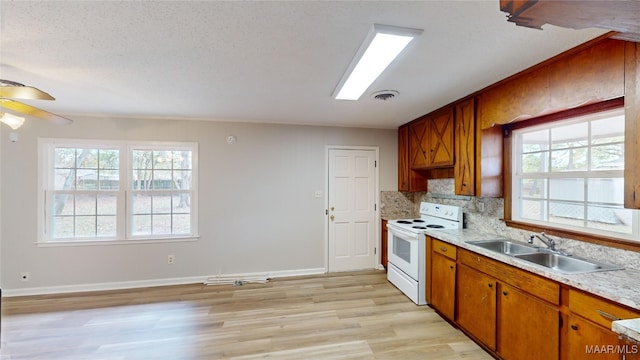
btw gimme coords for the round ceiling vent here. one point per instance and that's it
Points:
(385, 95)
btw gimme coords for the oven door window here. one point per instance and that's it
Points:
(402, 248)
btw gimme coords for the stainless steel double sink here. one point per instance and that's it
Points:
(552, 260)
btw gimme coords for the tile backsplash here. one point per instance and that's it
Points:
(402, 205)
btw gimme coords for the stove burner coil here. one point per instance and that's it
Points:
(433, 226)
(419, 227)
(404, 222)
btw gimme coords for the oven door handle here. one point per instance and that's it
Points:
(407, 235)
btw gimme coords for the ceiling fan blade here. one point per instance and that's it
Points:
(34, 112)
(24, 92)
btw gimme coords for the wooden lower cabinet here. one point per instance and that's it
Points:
(443, 278)
(631, 349)
(518, 315)
(527, 327)
(477, 305)
(383, 243)
(585, 340)
(495, 308)
(509, 321)
(589, 334)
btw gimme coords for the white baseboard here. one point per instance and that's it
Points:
(150, 283)
(101, 286)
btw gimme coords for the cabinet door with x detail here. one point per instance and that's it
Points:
(440, 141)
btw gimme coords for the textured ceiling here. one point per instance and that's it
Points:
(259, 61)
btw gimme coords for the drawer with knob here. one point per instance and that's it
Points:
(538, 286)
(598, 310)
(445, 249)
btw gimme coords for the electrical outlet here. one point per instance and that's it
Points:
(24, 276)
(170, 259)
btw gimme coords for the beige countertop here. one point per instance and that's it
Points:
(621, 286)
(630, 328)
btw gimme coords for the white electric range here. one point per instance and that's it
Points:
(407, 247)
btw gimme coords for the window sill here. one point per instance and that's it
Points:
(576, 235)
(136, 241)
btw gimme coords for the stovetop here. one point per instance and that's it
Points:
(432, 216)
(419, 224)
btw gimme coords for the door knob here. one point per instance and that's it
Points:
(332, 208)
(332, 217)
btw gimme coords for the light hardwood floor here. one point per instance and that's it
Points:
(336, 316)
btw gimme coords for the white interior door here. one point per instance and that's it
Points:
(352, 210)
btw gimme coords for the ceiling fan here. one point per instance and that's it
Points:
(10, 90)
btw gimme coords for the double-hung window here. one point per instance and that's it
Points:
(117, 191)
(570, 174)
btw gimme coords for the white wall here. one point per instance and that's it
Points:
(2, 134)
(257, 211)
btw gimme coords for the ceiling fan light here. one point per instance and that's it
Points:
(14, 122)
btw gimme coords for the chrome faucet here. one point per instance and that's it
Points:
(551, 244)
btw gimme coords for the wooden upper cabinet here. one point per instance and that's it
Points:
(593, 74)
(489, 162)
(440, 135)
(632, 127)
(478, 168)
(431, 140)
(613, 15)
(418, 146)
(464, 167)
(403, 158)
(517, 99)
(408, 179)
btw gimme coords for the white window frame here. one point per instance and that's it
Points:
(123, 195)
(517, 176)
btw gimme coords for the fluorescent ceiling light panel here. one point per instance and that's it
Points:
(381, 46)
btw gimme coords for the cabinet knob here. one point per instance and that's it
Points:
(574, 327)
(443, 249)
(505, 293)
(451, 267)
(490, 285)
